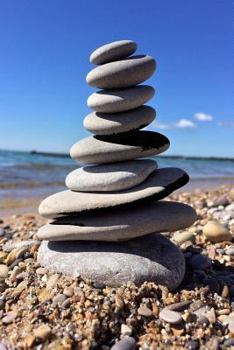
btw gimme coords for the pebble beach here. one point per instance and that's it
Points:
(45, 310)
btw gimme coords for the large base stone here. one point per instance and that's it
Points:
(149, 258)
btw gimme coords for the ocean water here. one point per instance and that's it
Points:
(24, 174)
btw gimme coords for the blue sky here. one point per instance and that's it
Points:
(45, 48)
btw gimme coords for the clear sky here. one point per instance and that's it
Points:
(45, 47)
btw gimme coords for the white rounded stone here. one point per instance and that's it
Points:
(152, 258)
(121, 74)
(113, 51)
(121, 224)
(110, 177)
(113, 101)
(157, 186)
(113, 123)
(119, 147)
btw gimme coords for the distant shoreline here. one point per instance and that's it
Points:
(66, 155)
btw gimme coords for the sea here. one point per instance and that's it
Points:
(24, 174)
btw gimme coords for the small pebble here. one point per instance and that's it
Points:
(225, 292)
(181, 306)
(170, 316)
(185, 236)
(58, 299)
(231, 325)
(42, 332)
(2, 232)
(216, 232)
(192, 345)
(41, 271)
(230, 251)
(143, 310)
(9, 318)
(52, 281)
(68, 291)
(3, 271)
(126, 330)
(203, 321)
(127, 343)
(9, 246)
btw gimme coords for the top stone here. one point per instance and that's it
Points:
(113, 51)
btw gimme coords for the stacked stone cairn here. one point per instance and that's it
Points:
(106, 227)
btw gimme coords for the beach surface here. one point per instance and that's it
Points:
(42, 308)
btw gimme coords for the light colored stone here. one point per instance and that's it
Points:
(113, 123)
(122, 224)
(230, 251)
(170, 316)
(181, 237)
(128, 72)
(113, 51)
(110, 177)
(157, 186)
(125, 329)
(216, 232)
(3, 271)
(143, 310)
(119, 147)
(113, 101)
(52, 281)
(42, 332)
(151, 258)
(9, 317)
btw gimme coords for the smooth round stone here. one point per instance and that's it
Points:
(157, 186)
(121, 224)
(172, 317)
(151, 258)
(113, 51)
(113, 101)
(182, 237)
(110, 177)
(121, 74)
(119, 147)
(113, 123)
(216, 232)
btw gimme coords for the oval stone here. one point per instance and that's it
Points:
(113, 123)
(170, 316)
(113, 51)
(157, 186)
(120, 224)
(119, 147)
(152, 258)
(121, 74)
(113, 101)
(110, 177)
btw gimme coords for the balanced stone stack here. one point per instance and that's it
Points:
(106, 227)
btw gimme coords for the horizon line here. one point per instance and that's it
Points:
(176, 156)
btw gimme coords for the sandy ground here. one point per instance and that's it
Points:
(43, 310)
